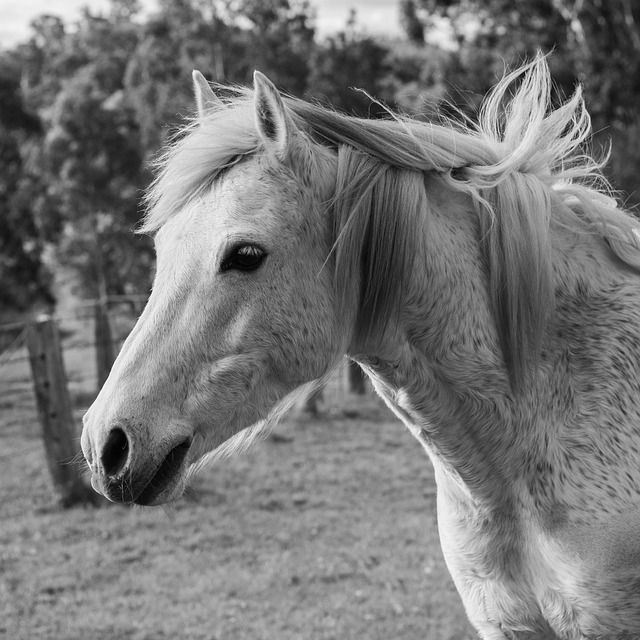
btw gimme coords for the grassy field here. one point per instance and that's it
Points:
(326, 530)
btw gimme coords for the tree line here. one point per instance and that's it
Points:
(85, 106)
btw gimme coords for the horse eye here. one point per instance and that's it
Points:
(244, 257)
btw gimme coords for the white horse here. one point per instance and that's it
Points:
(484, 283)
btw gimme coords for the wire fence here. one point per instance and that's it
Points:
(18, 409)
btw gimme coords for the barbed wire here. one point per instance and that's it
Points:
(82, 312)
(13, 354)
(132, 300)
(13, 346)
(66, 348)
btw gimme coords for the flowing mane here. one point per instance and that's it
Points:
(521, 165)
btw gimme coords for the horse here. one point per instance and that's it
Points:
(481, 273)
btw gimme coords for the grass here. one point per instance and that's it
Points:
(325, 531)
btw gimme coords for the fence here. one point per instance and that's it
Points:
(45, 391)
(65, 360)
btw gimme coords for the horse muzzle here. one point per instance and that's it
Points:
(126, 468)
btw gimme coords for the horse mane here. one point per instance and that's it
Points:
(521, 165)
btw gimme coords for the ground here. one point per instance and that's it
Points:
(325, 530)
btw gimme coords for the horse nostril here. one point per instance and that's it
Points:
(115, 452)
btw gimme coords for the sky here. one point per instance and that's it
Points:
(375, 16)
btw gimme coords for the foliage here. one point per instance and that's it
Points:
(94, 164)
(23, 279)
(596, 44)
(347, 61)
(278, 41)
(85, 106)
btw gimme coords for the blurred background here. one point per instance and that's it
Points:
(328, 528)
(87, 98)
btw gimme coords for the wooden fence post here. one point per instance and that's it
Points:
(56, 417)
(357, 378)
(311, 403)
(105, 353)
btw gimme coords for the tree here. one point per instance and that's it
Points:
(89, 159)
(94, 163)
(23, 277)
(107, 92)
(349, 61)
(595, 43)
(226, 42)
(279, 41)
(411, 23)
(157, 78)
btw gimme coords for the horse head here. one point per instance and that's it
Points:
(242, 312)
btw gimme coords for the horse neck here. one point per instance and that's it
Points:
(443, 372)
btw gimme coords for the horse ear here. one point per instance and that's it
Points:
(205, 98)
(273, 123)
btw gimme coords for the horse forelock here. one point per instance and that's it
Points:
(202, 150)
(521, 167)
